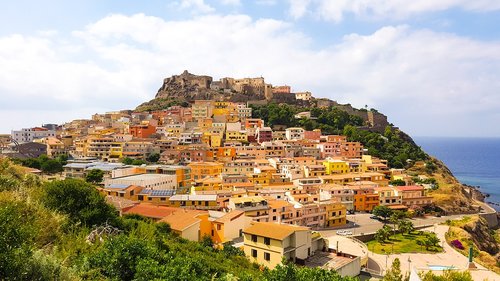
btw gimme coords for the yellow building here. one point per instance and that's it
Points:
(333, 166)
(200, 170)
(215, 140)
(236, 136)
(208, 184)
(267, 243)
(228, 226)
(335, 214)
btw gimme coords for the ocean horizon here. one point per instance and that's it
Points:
(473, 161)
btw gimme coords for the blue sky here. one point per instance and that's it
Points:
(432, 66)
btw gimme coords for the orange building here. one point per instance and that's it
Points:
(142, 131)
(365, 199)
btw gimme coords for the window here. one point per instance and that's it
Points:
(267, 256)
(254, 253)
(218, 227)
(267, 241)
(254, 238)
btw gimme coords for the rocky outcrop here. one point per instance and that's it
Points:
(481, 236)
(186, 86)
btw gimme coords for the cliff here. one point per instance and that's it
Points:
(474, 232)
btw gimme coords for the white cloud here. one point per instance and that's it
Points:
(196, 6)
(298, 8)
(427, 82)
(383, 9)
(231, 2)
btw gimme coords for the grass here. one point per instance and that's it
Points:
(402, 243)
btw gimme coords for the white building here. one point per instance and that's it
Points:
(30, 134)
(303, 96)
(295, 133)
(152, 181)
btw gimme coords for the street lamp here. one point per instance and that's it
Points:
(409, 264)
(386, 259)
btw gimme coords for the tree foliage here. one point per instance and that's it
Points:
(79, 200)
(382, 211)
(448, 275)
(288, 271)
(94, 176)
(394, 273)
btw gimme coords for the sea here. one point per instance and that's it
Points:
(473, 161)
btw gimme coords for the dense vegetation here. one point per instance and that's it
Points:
(44, 235)
(399, 151)
(44, 163)
(160, 103)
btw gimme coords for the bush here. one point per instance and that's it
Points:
(457, 244)
(79, 200)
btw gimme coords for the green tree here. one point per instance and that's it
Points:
(51, 166)
(127, 160)
(17, 234)
(383, 234)
(447, 275)
(405, 226)
(153, 157)
(79, 200)
(119, 257)
(138, 162)
(394, 273)
(289, 271)
(382, 211)
(432, 241)
(94, 176)
(398, 182)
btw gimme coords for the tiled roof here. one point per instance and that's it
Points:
(230, 216)
(410, 188)
(276, 204)
(151, 211)
(273, 230)
(182, 219)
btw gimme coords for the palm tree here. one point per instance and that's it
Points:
(432, 241)
(405, 226)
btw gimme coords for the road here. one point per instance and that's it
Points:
(362, 224)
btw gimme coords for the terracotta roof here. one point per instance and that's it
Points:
(230, 216)
(276, 204)
(273, 230)
(397, 207)
(410, 188)
(150, 211)
(182, 219)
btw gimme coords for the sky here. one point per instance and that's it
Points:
(433, 67)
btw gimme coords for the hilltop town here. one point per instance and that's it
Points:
(198, 158)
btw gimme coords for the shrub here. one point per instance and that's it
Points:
(457, 244)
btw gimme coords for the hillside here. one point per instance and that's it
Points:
(474, 232)
(45, 232)
(278, 110)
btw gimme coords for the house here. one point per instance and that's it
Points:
(255, 207)
(228, 226)
(294, 133)
(150, 181)
(268, 243)
(31, 134)
(303, 96)
(414, 195)
(194, 201)
(153, 212)
(189, 224)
